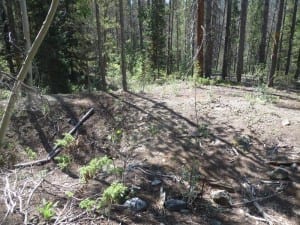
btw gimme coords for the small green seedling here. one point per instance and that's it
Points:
(116, 136)
(87, 204)
(65, 142)
(95, 165)
(63, 161)
(30, 153)
(46, 210)
(69, 194)
(113, 194)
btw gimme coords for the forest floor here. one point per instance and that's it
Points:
(175, 139)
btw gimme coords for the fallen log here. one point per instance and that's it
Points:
(57, 149)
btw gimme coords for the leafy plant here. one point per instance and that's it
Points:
(4, 94)
(46, 210)
(113, 194)
(153, 129)
(30, 153)
(261, 95)
(69, 194)
(203, 130)
(116, 136)
(87, 204)
(191, 178)
(63, 161)
(96, 165)
(65, 142)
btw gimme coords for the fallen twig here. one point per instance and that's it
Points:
(266, 217)
(57, 149)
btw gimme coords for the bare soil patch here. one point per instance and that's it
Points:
(192, 140)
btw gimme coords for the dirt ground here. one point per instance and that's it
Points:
(193, 140)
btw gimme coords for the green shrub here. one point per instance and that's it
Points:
(95, 165)
(65, 142)
(63, 161)
(87, 204)
(30, 153)
(113, 194)
(46, 210)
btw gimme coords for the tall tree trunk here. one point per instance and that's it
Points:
(221, 37)
(227, 41)
(26, 32)
(288, 60)
(123, 65)
(200, 34)
(276, 43)
(272, 27)
(297, 73)
(24, 69)
(140, 14)
(13, 39)
(240, 62)
(8, 50)
(264, 30)
(278, 64)
(170, 37)
(100, 46)
(209, 39)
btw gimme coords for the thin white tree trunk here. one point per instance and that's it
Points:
(24, 69)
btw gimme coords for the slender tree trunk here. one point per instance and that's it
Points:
(200, 34)
(221, 38)
(276, 43)
(170, 37)
(123, 63)
(240, 62)
(26, 32)
(99, 46)
(178, 53)
(227, 42)
(264, 30)
(8, 50)
(272, 27)
(297, 73)
(140, 13)
(209, 39)
(288, 60)
(24, 69)
(278, 64)
(13, 39)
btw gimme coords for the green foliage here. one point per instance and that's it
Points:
(113, 194)
(262, 95)
(30, 153)
(191, 178)
(156, 26)
(64, 161)
(65, 142)
(96, 165)
(203, 130)
(204, 81)
(4, 94)
(69, 194)
(153, 129)
(116, 136)
(88, 204)
(46, 210)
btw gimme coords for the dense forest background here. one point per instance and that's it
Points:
(95, 44)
